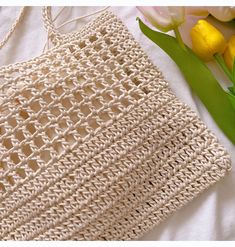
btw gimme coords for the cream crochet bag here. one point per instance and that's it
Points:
(94, 145)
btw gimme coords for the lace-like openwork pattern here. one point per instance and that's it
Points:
(94, 145)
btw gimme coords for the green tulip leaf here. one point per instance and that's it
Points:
(231, 90)
(231, 96)
(233, 71)
(200, 79)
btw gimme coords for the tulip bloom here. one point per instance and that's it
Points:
(207, 40)
(163, 18)
(229, 54)
(221, 13)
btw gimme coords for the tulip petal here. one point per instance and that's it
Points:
(158, 19)
(197, 11)
(229, 53)
(200, 79)
(207, 40)
(177, 14)
(222, 13)
(163, 18)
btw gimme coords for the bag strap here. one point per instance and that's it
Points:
(53, 32)
(13, 27)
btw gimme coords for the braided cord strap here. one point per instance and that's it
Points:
(94, 145)
(53, 34)
(13, 27)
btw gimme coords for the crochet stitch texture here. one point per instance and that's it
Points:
(94, 145)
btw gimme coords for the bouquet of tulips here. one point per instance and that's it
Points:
(207, 43)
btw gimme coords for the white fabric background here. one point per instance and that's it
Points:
(209, 217)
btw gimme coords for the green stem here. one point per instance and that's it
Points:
(179, 38)
(219, 59)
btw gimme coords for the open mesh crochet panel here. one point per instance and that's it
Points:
(93, 143)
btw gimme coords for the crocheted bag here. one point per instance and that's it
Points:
(94, 145)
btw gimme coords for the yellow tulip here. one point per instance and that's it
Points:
(229, 54)
(207, 40)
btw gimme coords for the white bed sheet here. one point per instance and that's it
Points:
(209, 217)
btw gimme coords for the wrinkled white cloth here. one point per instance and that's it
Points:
(211, 216)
